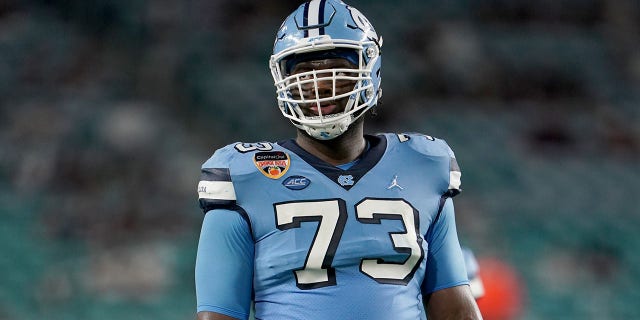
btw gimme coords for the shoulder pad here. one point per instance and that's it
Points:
(421, 143)
(431, 146)
(223, 156)
(216, 189)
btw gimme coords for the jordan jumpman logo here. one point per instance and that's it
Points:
(394, 183)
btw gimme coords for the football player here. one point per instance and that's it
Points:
(333, 224)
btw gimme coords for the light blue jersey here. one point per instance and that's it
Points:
(307, 240)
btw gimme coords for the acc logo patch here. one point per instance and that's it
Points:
(272, 164)
(296, 182)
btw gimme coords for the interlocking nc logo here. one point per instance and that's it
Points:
(345, 180)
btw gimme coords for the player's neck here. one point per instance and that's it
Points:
(340, 150)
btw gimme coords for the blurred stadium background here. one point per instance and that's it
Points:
(108, 108)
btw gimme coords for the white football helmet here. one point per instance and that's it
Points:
(326, 29)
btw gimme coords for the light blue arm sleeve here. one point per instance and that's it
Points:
(224, 264)
(445, 262)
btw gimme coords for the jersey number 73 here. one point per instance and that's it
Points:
(331, 216)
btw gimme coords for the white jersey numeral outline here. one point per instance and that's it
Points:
(331, 216)
(373, 211)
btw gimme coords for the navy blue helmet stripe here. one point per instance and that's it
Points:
(321, 16)
(305, 20)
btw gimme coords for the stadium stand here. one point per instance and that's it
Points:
(107, 109)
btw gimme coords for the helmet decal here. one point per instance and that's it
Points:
(363, 23)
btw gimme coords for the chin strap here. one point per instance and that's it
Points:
(330, 132)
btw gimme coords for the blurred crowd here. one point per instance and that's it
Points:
(108, 108)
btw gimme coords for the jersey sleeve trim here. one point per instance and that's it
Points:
(224, 311)
(448, 285)
(244, 216)
(215, 189)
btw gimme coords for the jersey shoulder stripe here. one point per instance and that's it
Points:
(216, 188)
(454, 177)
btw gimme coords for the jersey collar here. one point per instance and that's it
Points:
(344, 178)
